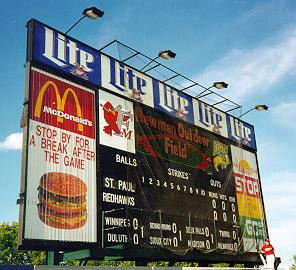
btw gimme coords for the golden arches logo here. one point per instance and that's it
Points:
(60, 101)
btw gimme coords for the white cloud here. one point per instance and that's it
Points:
(279, 191)
(283, 239)
(285, 114)
(250, 70)
(12, 142)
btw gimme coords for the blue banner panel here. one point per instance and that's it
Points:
(17, 267)
(61, 52)
(241, 132)
(173, 102)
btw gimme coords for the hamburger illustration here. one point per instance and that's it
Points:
(62, 200)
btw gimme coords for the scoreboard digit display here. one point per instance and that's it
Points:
(116, 160)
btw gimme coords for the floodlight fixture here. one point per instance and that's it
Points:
(260, 108)
(220, 85)
(92, 13)
(166, 54)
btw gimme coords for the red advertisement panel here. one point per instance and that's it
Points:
(62, 105)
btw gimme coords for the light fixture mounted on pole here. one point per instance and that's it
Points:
(257, 107)
(92, 13)
(218, 85)
(166, 54)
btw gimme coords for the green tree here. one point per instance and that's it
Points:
(8, 248)
(293, 266)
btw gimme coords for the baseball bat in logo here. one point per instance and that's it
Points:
(116, 122)
(59, 104)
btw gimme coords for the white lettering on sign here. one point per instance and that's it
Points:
(170, 100)
(67, 52)
(239, 131)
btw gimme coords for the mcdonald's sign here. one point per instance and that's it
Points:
(58, 103)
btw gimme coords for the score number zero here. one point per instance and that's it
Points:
(214, 205)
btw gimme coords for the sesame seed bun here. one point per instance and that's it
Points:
(63, 184)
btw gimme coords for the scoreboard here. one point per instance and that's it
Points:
(176, 191)
(115, 158)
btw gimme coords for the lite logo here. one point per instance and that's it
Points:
(209, 117)
(124, 78)
(239, 131)
(118, 121)
(64, 52)
(60, 106)
(171, 101)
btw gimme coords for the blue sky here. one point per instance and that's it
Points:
(249, 44)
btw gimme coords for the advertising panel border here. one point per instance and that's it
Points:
(48, 244)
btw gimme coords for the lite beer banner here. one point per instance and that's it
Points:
(173, 102)
(61, 172)
(241, 132)
(126, 81)
(63, 53)
(209, 118)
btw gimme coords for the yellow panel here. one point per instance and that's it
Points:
(249, 206)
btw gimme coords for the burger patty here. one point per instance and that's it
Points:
(48, 212)
(62, 207)
(63, 223)
(58, 198)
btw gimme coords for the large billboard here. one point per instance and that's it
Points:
(116, 157)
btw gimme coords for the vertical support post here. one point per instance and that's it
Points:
(103, 226)
(52, 258)
(203, 263)
(141, 263)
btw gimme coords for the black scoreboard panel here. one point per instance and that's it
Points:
(172, 193)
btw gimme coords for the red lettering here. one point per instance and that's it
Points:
(45, 132)
(32, 141)
(74, 162)
(126, 134)
(247, 185)
(66, 137)
(82, 142)
(52, 157)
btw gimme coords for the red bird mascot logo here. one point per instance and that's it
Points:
(111, 115)
(115, 118)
